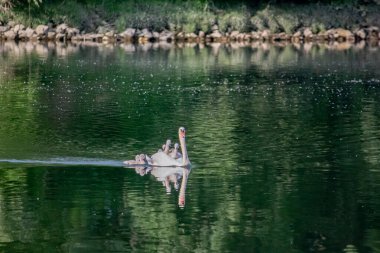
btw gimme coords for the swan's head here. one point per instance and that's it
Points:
(176, 146)
(137, 158)
(182, 133)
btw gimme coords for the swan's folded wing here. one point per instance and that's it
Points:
(162, 159)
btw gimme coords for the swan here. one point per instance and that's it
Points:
(163, 159)
(174, 152)
(142, 159)
(166, 146)
(148, 159)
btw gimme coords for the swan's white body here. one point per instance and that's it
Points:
(163, 158)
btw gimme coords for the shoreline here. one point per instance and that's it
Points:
(64, 33)
(139, 22)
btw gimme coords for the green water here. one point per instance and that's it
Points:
(284, 143)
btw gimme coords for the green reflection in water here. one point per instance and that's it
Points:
(285, 143)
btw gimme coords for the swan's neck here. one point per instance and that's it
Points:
(167, 146)
(185, 158)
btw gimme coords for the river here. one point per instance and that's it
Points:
(284, 142)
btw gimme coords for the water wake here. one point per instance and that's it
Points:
(65, 162)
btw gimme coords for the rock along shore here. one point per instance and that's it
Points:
(63, 33)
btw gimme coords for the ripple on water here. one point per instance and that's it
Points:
(276, 143)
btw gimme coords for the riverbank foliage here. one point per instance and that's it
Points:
(193, 15)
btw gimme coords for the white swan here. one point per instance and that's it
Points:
(148, 159)
(174, 152)
(163, 159)
(167, 146)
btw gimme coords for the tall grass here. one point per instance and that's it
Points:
(319, 17)
(276, 20)
(235, 20)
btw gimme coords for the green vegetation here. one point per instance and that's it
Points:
(193, 15)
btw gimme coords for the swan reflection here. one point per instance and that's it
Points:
(170, 177)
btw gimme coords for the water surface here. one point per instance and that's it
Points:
(284, 142)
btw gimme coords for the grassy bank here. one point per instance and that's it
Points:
(195, 16)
